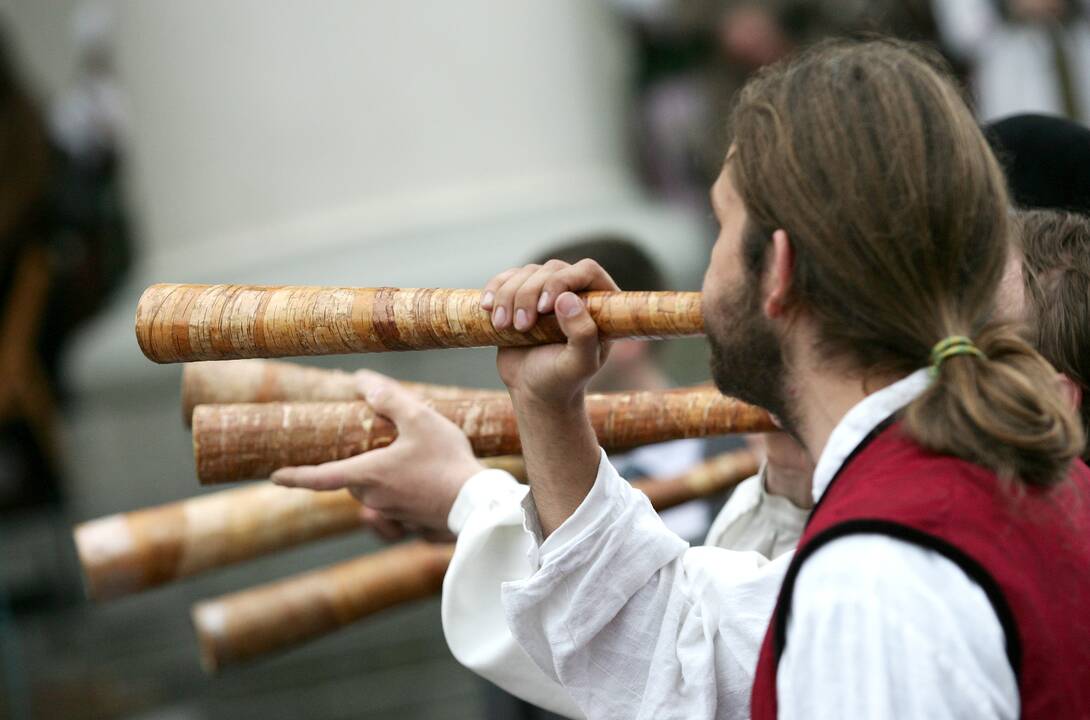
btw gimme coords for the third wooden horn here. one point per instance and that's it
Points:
(185, 323)
(243, 381)
(134, 551)
(249, 441)
(282, 614)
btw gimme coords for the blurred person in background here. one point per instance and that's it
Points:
(28, 468)
(1024, 55)
(64, 246)
(694, 55)
(1046, 160)
(88, 122)
(1056, 270)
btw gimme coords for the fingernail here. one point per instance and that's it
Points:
(486, 301)
(568, 305)
(520, 319)
(499, 317)
(543, 302)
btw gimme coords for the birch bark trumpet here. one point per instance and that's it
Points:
(185, 323)
(244, 625)
(251, 441)
(245, 381)
(274, 617)
(129, 552)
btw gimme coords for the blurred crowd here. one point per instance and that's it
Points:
(1015, 56)
(64, 245)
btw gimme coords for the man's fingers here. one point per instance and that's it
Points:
(503, 311)
(517, 297)
(356, 471)
(530, 301)
(327, 476)
(488, 295)
(583, 275)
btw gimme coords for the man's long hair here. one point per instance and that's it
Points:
(897, 212)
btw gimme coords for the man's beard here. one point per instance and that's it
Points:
(747, 360)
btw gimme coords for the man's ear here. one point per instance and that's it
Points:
(1071, 391)
(781, 269)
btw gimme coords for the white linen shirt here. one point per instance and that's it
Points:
(492, 548)
(634, 624)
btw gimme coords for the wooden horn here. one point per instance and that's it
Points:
(245, 381)
(134, 551)
(243, 625)
(185, 323)
(247, 624)
(250, 441)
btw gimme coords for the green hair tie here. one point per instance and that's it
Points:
(949, 347)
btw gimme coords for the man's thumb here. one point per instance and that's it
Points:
(578, 327)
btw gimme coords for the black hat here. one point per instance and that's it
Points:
(1046, 159)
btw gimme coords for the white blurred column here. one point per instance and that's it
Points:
(275, 128)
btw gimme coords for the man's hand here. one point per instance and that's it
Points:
(550, 374)
(548, 383)
(412, 483)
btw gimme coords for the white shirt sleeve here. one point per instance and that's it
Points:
(880, 628)
(752, 519)
(632, 622)
(492, 548)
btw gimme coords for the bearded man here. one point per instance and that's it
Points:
(863, 236)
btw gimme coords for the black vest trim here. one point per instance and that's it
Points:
(867, 440)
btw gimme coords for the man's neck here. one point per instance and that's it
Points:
(822, 397)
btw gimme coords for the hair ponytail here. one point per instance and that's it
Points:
(1002, 411)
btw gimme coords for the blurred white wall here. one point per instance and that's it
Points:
(424, 143)
(281, 128)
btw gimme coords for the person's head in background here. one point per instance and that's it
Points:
(1046, 160)
(1056, 272)
(632, 364)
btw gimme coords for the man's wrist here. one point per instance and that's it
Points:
(532, 404)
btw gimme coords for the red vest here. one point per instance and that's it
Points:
(1028, 549)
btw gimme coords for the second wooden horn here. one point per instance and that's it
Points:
(283, 614)
(243, 381)
(184, 323)
(251, 441)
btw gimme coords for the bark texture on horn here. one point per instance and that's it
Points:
(251, 441)
(186, 323)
